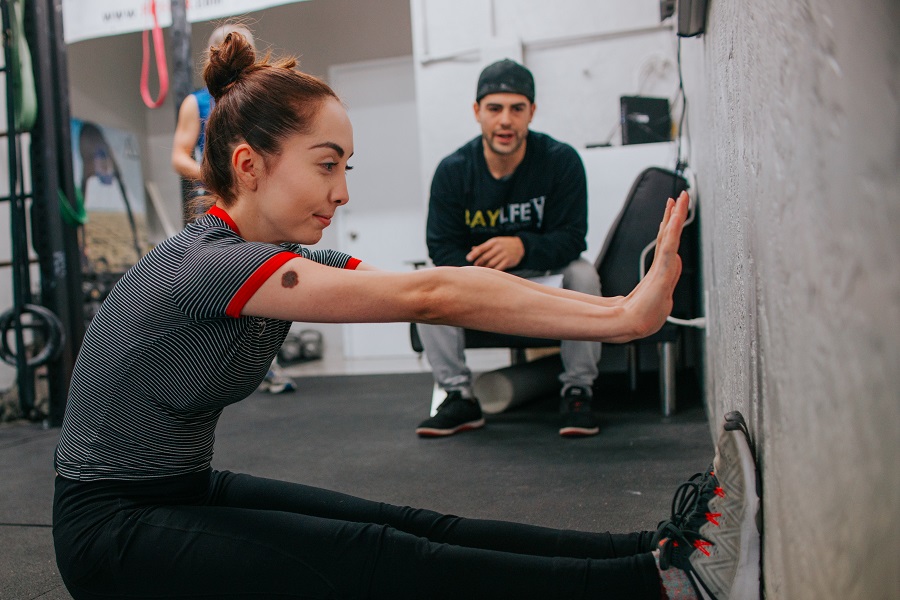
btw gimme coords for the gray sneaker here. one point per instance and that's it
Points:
(276, 382)
(713, 534)
(455, 414)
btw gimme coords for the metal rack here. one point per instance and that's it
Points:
(21, 280)
(54, 314)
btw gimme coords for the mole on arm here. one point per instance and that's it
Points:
(289, 279)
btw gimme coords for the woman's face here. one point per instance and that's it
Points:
(308, 181)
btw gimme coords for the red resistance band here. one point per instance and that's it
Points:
(162, 69)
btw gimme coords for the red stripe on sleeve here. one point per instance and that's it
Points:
(352, 263)
(254, 282)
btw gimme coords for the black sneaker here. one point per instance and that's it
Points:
(713, 534)
(689, 510)
(577, 417)
(455, 414)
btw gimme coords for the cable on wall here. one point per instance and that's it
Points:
(680, 164)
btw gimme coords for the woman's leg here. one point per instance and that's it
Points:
(230, 489)
(262, 549)
(452, 557)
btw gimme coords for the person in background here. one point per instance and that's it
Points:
(187, 152)
(139, 512)
(190, 130)
(513, 200)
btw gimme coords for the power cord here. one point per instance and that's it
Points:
(681, 163)
(698, 322)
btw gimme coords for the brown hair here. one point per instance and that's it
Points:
(257, 101)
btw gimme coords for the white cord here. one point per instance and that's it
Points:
(699, 322)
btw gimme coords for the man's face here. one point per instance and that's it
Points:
(504, 120)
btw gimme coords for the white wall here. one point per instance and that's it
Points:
(584, 55)
(105, 73)
(581, 58)
(104, 79)
(383, 224)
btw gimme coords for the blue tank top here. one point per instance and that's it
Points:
(205, 103)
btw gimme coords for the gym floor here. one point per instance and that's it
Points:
(354, 433)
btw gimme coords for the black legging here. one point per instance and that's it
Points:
(224, 535)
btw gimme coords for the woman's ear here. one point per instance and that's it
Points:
(247, 165)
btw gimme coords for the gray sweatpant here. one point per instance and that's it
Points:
(445, 345)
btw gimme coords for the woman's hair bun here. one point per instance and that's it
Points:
(227, 62)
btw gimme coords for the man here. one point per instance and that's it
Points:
(514, 200)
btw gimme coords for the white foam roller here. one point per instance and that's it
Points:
(518, 384)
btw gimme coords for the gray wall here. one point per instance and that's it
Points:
(794, 111)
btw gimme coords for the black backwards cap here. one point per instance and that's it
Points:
(505, 76)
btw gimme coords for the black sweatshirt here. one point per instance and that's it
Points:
(544, 202)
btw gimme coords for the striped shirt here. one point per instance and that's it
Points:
(168, 350)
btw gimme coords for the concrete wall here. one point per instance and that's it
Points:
(794, 111)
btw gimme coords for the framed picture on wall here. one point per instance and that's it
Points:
(107, 168)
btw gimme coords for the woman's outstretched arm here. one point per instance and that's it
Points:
(476, 297)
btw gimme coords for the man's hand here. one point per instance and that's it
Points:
(501, 253)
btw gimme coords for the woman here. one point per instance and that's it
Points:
(194, 326)
(187, 150)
